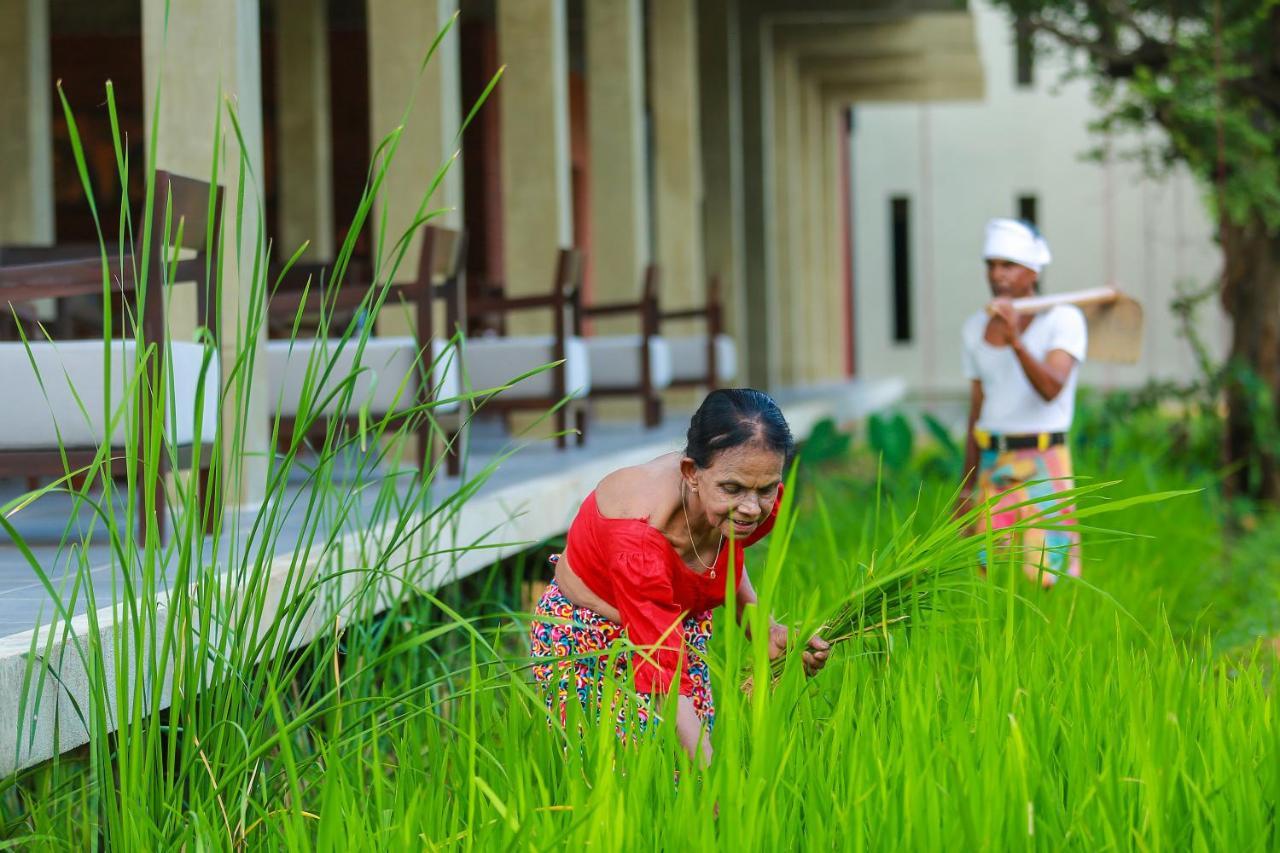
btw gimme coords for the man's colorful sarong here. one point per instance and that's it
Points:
(1033, 477)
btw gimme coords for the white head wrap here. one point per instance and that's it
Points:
(1017, 241)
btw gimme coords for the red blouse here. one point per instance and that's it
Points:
(632, 566)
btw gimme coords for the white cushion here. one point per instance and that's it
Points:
(615, 361)
(387, 380)
(70, 405)
(491, 362)
(689, 358)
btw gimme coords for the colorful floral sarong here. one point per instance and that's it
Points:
(579, 643)
(1033, 477)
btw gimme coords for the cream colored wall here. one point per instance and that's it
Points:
(26, 139)
(963, 163)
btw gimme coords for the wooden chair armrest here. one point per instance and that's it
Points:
(60, 279)
(12, 254)
(63, 279)
(513, 303)
(308, 282)
(296, 276)
(686, 314)
(613, 309)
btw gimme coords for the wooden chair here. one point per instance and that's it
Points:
(57, 420)
(709, 360)
(392, 374)
(494, 361)
(637, 365)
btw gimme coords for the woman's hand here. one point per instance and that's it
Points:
(814, 656)
(777, 640)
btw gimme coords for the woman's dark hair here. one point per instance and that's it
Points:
(732, 417)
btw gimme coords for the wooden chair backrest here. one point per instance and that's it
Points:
(185, 216)
(570, 264)
(188, 198)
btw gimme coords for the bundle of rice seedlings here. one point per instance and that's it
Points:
(906, 578)
(897, 586)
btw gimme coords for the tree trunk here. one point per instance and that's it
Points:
(1251, 295)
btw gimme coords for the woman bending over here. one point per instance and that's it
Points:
(647, 558)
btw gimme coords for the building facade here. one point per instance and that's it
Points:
(710, 137)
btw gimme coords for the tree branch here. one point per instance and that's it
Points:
(1112, 61)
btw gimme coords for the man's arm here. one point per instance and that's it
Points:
(1048, 377)
(965, 501)
(970, 443)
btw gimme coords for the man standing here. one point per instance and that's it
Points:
(1023, 370)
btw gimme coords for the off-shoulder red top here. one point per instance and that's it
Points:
(632, 566)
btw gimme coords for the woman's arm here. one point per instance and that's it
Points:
(746, 596)
(814, 658)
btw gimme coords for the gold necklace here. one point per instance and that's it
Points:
(693, 543)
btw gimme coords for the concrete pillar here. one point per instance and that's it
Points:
(834, 236)
(209, 60)
(26, 138)
(821, 287)
(537, 214)
(760, 358)
(719, 75)
(806, 281)
(673, 82)
(808, 278)
(424, 103)
(786, 281)
(828, 197)
(616, 136)
(304, 143)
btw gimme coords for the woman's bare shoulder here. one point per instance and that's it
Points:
(639, 491)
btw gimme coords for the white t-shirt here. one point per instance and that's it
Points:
(1010, 405)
